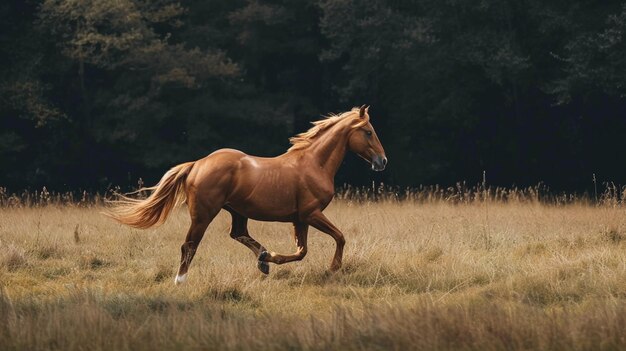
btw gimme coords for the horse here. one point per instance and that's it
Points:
(293, 187)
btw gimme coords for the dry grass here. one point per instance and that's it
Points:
(516, 275)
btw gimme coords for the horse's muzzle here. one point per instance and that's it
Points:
(379, 163)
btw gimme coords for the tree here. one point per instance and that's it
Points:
(126, 70)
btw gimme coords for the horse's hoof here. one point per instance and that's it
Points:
(261, 264)
(180, 279)
(263, 267)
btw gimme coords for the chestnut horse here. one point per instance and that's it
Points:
(293, 187)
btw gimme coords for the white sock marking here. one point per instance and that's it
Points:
(180, 279)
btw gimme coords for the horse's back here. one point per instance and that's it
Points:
(220, 161)
(256, 187)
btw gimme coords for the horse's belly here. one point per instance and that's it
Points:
(264, 212)
(278, 204)
(264, 189)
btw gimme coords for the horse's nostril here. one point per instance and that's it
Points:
(384, 161)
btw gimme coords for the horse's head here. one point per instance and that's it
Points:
(364, 142)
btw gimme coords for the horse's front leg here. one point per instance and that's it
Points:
(301, 231)
(321, 223)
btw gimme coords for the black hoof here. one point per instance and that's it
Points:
(263, 256)
(263, 267)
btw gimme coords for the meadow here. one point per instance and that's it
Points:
(436, 274)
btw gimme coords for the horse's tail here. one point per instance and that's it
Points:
(167, 194)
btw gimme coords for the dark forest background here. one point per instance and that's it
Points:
(102, 92)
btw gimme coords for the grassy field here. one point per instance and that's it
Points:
(494, 275)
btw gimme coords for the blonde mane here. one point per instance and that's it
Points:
(304, 140)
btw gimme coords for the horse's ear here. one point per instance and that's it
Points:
(363, 111)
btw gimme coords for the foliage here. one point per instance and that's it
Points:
(94, 93)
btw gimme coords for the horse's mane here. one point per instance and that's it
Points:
(304, 140)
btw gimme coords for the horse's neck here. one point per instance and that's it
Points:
(329, 151)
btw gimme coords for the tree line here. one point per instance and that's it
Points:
(95, 93)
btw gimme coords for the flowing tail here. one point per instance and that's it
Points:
(144, 213)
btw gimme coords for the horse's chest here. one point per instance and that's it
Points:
(322, 193)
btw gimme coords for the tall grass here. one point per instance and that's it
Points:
(460, 193)
(440, 269)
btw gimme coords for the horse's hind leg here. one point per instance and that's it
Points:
(239, 232)
(188, 249)
(199, 224)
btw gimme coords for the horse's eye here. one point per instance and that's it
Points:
(368, 132)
